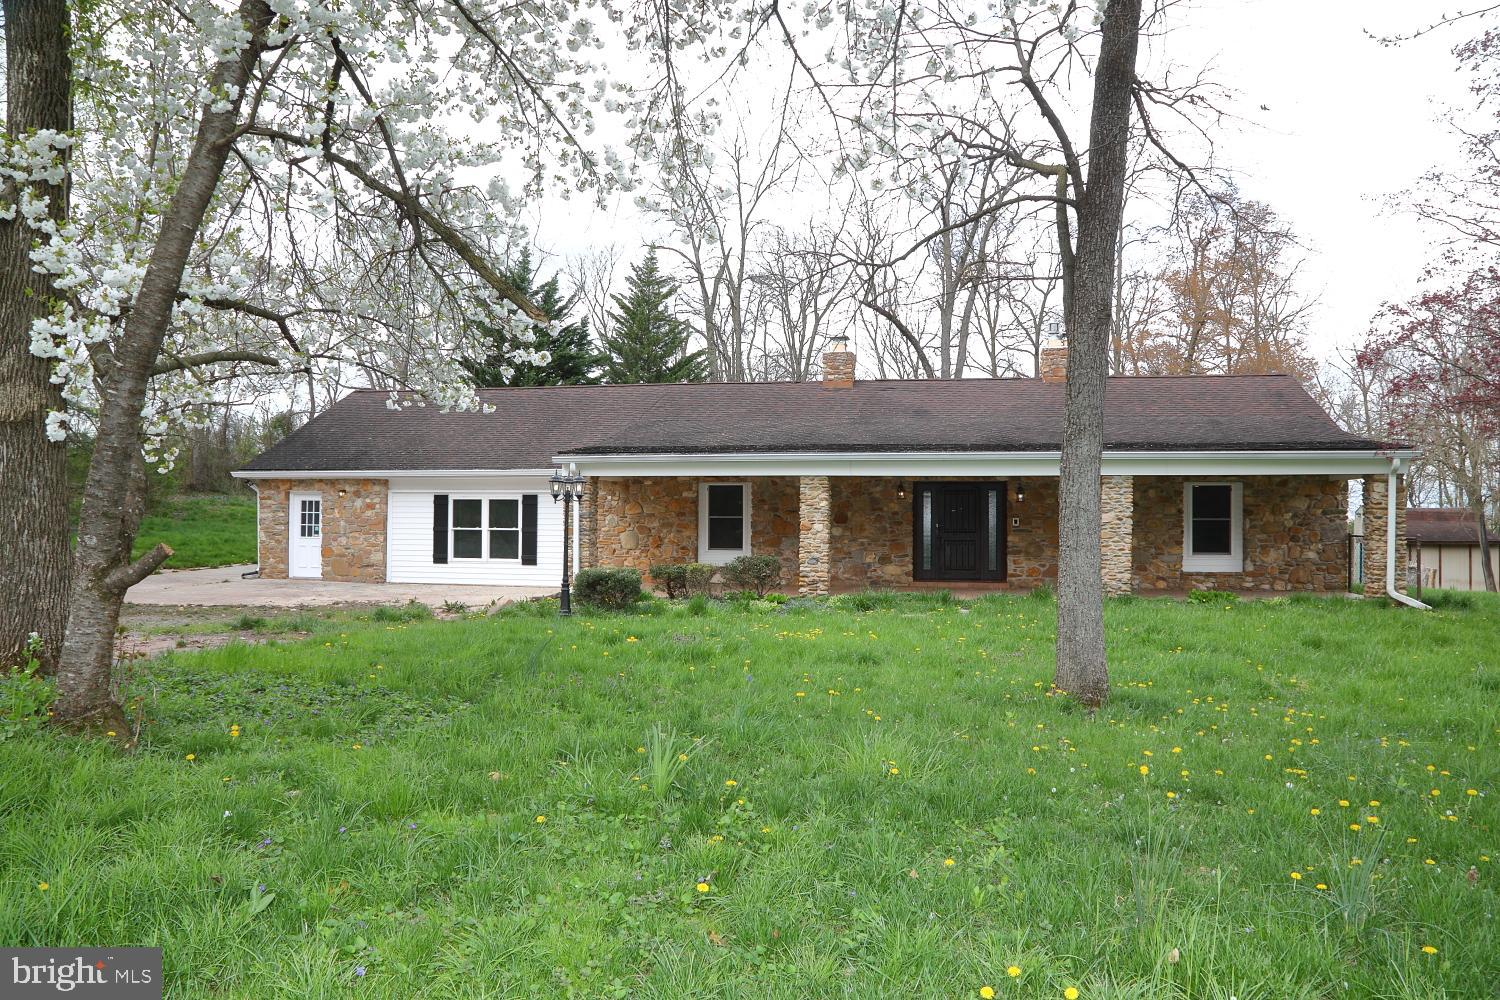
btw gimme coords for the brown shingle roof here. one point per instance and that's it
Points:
(529, 426)
(1443, 525)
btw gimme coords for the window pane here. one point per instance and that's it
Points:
(468, 543)
(467, 514)
(1211, 537)
(505, 544)
(725, 501)
(994, 528)
(927, 529)
(726, 533)
(505, 513)
(1212, 501)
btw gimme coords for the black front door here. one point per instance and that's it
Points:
(959, 531)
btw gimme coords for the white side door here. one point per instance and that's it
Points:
(305, 536)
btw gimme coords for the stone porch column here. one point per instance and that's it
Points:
(588, 525)
(813, 535)
(1117, 534)
(1375, 531)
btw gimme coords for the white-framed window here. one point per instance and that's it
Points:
(723, 522)
(485, 528)
(1213, 527)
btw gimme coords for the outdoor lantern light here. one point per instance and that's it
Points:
(1020, 493)
(567, 486)
(901, 488)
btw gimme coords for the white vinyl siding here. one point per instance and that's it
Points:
(409, 532)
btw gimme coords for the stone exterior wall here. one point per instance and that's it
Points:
(872, 532)
(1375, 502)
(1117, 531)
(354, 516)
(636, 523)
(1295, 535)
(1294, 531)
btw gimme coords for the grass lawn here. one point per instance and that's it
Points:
(1285, 799)
(203, 529)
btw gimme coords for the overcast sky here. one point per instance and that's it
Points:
(1350, 123)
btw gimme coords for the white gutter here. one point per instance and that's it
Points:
(1390, 541)
(1027, 463)
(383, 473)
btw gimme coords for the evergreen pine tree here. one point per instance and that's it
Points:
(647, 343)
(574, 360)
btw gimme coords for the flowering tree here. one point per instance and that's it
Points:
(270, 185)
(1439, 357)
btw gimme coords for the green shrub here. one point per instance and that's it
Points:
(697, 605)
(608, 589)
(671, 578)
(698, 578)
(24, 696)
(774, 598)
(758, 573)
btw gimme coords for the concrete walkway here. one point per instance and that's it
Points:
(224, 585)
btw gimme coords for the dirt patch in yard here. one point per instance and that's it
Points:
(148, 630)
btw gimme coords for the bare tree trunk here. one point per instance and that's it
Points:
(114, 494)
(1081, 667)
(35, 557)
(1476, 504)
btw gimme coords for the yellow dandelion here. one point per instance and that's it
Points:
(191, 756)
(42, 886)
(1315, 811)
(702, 886)
(1428, 949)
(541, 819)
(1297, 876)
(1071, 993)
(1013, 971)
(1144, 770)
(948, 862)
(987, 992)
(730, 782)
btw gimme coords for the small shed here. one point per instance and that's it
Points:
(1443, 548)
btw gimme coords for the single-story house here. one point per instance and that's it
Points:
(1443, 548)
(1219, 482)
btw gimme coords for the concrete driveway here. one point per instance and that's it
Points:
(225, 585)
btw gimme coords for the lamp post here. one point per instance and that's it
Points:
(567, 486)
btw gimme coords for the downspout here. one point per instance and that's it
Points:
(1390, 542)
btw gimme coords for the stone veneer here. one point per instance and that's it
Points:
(814, 554)
(354, 517)
(637, 523)
(1375, 502)
(1117, 534)
(1295, 535)
(872, 532)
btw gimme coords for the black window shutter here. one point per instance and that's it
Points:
(440, 527)
(528, 529)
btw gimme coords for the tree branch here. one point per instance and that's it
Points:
(182, 363)
(126, 577)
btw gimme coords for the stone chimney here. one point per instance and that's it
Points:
(838, 363)
(1053, 363)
